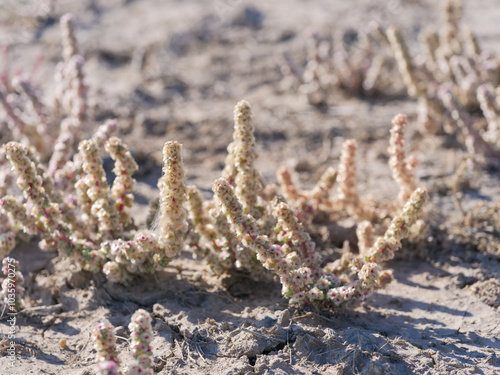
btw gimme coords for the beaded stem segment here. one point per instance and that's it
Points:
(173, 216)
(403, 169)
(369, 276)
(325, 184)
(141, 336)
(302, 201)
(244, 226)
(102, 205)
(288, 187)
(105, 343)
(74, 91)
(426, 116)
(70, 46)
(43, 213)
(404, 62)
(242, 127)
(248, 178)
(348, 191)
(216, 247)
(123, 184)
(239, 170)
(291, 231)
(19, 214)
(63, 147)
(347, 176)
(366, 236)
(66, 172)
(384, 247)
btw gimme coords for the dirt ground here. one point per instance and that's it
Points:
(170, 69)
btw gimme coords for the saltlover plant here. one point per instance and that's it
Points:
(248, 226)
(260, 229)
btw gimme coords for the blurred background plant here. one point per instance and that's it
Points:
(455, 82)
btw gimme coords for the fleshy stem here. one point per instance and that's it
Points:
(240, 170)
(105, 343)
(403, 169)
(102, 206)
(245, 227)
(46, 214)
(368, 266)
(173, 216)
(347, 178)
(123, 184)
(141, 336)
(216, 249)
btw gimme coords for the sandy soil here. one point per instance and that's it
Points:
(174, 70)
